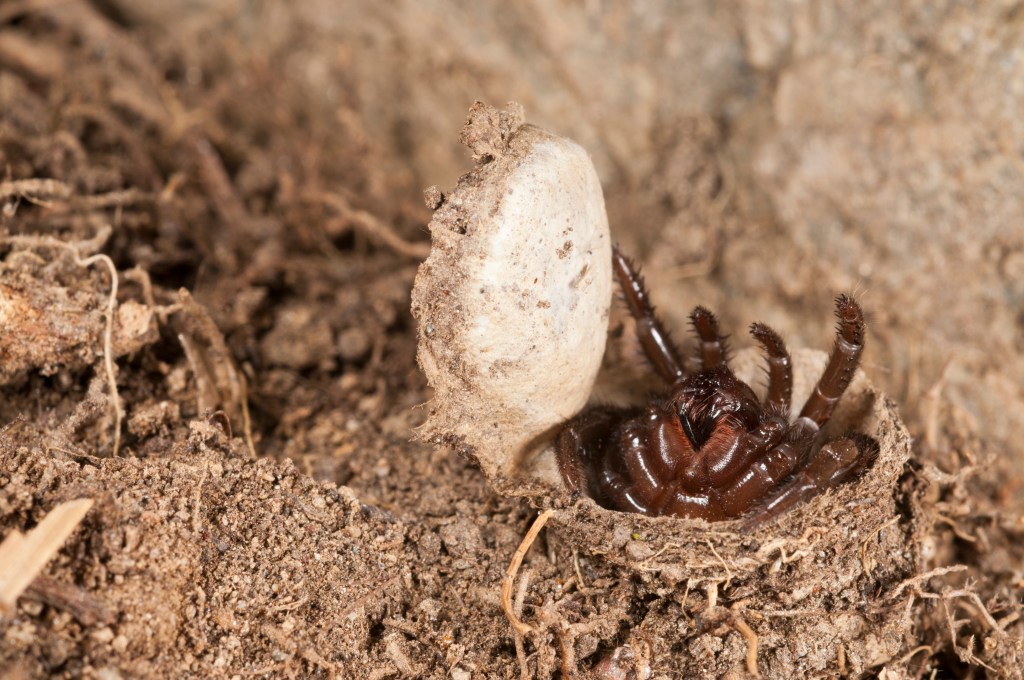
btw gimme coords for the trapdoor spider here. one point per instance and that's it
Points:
(709, 448)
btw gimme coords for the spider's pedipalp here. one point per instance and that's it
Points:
(654, 337)
(842, 362)
(713, 347)
(780, 368)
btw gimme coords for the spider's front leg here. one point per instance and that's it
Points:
(581, 443)
(837, 462)
(769, 468)
(745, 489)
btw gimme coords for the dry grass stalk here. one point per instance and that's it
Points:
(23, 556)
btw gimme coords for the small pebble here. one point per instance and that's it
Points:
(103, 635)
(119, 644)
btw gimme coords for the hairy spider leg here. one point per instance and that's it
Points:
(766, 473)
(842, 362)
(618, 491)
(713, 347)
(644, 463)
(780, 369)
(653, 446)
(589, 431)
(693, 505)
(653, 336)
(746, 490)
(728, 466)
(837, 462)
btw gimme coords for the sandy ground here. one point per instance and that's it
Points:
(254, 173)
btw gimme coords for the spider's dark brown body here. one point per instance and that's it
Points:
(710, 448)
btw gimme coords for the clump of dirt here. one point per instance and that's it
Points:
(254, 175)
(56, 310)
(155, 566)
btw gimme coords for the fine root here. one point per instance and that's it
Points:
(747, 632)
(373, 227)
(524, 585)
(513, 568)
(920, 578)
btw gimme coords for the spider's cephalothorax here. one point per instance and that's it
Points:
(709, 448)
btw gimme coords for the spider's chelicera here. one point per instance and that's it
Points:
(709, 448)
